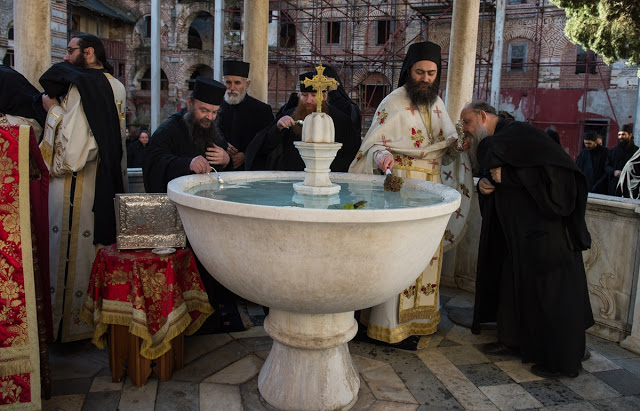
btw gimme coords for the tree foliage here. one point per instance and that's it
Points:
(610, 28)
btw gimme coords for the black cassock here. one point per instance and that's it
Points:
(239, 123)
(531, 277)
(169, 154)
(273, 149)
(592, 163)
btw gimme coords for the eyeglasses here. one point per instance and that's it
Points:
(71, 49)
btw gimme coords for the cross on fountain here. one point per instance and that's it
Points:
(319, 82)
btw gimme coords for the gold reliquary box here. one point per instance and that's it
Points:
(148, 221)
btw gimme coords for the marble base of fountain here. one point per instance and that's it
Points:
(318, 158)
(309, 366)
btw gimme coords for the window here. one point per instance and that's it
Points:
(287, 31)
(147, 27)
(517, 57)
(10, 34)
(374, 93)
(9, 59)
(517, 1)
(383, 31)
(235, 20)
(75, 22)
(585, 58)
(334, 31)
(194, 41)
(145, 81)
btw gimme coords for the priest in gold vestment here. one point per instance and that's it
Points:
(84, 148)
(413, 136)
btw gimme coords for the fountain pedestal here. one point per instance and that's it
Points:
(309, 366)
(317, 158)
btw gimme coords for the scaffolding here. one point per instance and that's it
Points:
(365, 41)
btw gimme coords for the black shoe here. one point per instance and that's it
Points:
(410, 343)
(543, 372)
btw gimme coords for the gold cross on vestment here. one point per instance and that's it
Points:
(319, 82)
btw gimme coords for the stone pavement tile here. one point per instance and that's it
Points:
(590, 387)
(71, 386)
(628, 403)
(101, 401)
(177, 395)
(598, 362)
(447, 343)
(199, 345)
(364, 364)
(251, 399)
(104, 383)
(608, 349)
(630, 364)
(255, 331)
(463, 354)
(461, 301)
(510, 397)
(257, 343)
(507, 356)
(365, 401)
(379, 352)
(392, 406)
(485, 374)
(467, 394)
(76, 360)
(210, 363)
(551, 392)
(463, 335)
(139, 398)
(445, 324)
(220, 397)
(64, 402)
(622, 381)
(239, 372)
(518, 371)
(423, 384)
(429, 341)
(262, 354)
(576, 406)
(385, 384)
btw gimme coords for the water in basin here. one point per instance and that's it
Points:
(280, 193)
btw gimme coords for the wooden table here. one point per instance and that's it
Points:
(145, 303)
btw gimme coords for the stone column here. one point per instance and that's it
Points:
(256, 46)
(460, 78)
(462, 56)
(32, 47)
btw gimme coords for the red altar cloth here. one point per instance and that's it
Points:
(157, 297)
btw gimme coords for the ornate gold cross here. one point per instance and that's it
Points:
(319, 82)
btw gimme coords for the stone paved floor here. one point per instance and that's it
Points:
(449, 371)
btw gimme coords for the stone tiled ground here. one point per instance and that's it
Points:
(449, 371)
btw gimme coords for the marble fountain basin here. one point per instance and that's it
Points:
(312, 267)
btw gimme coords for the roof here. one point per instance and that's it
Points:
(98, 6)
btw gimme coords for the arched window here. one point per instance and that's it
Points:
(10, 32)
(202, 70)
(200, 35)
(145, 81)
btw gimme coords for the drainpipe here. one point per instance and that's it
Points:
(218, 43)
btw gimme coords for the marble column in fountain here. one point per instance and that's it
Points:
(32, 46)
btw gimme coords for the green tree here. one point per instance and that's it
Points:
(610, 28)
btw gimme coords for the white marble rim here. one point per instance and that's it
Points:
(176, 188)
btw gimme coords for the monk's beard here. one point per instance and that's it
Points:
(302, 111)
(474, 142)
(203, 137)
(233, 100)
(421, 94)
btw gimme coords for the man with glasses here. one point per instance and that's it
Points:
(84, 148)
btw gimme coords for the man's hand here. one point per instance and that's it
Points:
(485, 186)
(285, 122)
(496, 174)
(217, 156)
(617, 173)
(232, 150)
(236, 156)
(199, 165)
(48, 102)
(385, 162)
